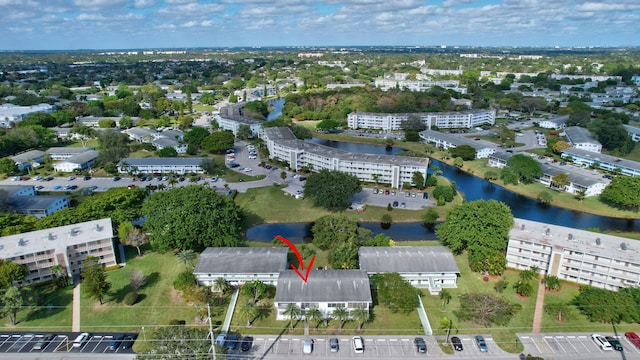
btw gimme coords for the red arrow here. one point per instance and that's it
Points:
(304, 277)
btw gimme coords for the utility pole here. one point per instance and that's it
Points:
(213, 344)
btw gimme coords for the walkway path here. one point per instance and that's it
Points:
(75, 322)
(230, 310)
(537, 315)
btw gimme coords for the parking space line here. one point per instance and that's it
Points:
(559, 343)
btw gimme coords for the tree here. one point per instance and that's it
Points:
(137, 279)
(196, 136)
(244, 132)
(300, 132)
(527, 168)
(458, 162)
(332, 189)
(341, 314)
(12, 300)
(466, 152)
(412, 136)
(444, 191)
(484, 309)
(314, 314)
(187, 257)
(360, 314)
(561, 180)
(413, 123)
(430, 216)
(193, 217)
(114, 146)
(509, 176)
(11, 272)
(8, 166)
(292, 311)
(248, 312)
(613, 136)
(418, 180)
(125, 122)
(330, 231)
(180, 342)
(560, 146)
(221, 285)
(344, 256)
(328, 125)
(136, 238)
(94, 279)
(621, 306)
(545, 197)
(623, 192)
(397, 294)
(62, 278)
(446, 324)
(491, 175)
(218, 141)
(551, 282)
(283, 175)
(255, 289)
(445, 297)
(212, 167)
(168, 152)
(523, 288)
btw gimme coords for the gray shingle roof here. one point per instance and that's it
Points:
(407, 259)
(247, 260)
(579, 135)
(324, 285)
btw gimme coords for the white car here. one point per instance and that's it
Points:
(307, 346)
(81, 339)
(601, 342)
(358, 344)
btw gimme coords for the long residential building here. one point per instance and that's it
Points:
(602, 161)
(11, 114)
(583, 257)
(581, 138)
(169, 165)
(447, 141)
(64, 245)
(233, 123)
(442, 120)
(393, 170)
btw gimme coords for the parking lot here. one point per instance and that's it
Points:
(62, 343)
(574, 345)
(414, 201)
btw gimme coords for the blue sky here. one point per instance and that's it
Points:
(125, 24)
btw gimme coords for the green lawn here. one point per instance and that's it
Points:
(51, 313)
(158, 304)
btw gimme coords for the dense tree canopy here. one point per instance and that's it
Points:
(196, 136)
(10, 272)
(218, 141)
(344, 256)
(180, 342)
(192, 217)
(94, 279)
(613, 136)
(526, 167)
(466, 152)
(623, 192)
(394, 292)
(330, 231)
(607, 306)
(332, 189)
(114, 146)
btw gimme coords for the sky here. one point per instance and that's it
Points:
(149, 24)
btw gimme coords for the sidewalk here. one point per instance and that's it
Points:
(537, 315)
(75, 322)
(232, 307)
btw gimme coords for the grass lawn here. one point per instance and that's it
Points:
(158, 303)
(203, 107)
(52, 312)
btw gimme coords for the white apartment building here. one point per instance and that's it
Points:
(602, 161)
(557, 123)
(418, 85)
(240, 265)
(394, 170)
(483, 148)
(442, 120)
(579, 256)
(591, 184)
(161, 165)
(634, 132)
(233, 122)
(11, 114)
(64, 245)
(81, 162)
(581, 138)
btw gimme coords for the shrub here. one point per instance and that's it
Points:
(184, 280)
(130, 298)
(112, 267)
(176, 322)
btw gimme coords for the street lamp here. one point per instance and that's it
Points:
(144, 335)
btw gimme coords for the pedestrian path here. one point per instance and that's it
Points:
(537, 315)
(230, 310)
(75, 321)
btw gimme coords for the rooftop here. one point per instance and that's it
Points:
(575, 175)
(279, 133)
(324, 285)
(83, 157)
(39, 202)
(27, 156)
(404, 259)
(176, 161)
(67, 150)
(243, 260)
(241, 119)
(602, 158)
(579, 135)
(55, 238)
(457, 140)
(473, 111)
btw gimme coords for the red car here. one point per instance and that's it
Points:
(633, 337)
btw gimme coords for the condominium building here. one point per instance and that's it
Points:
(581, 138)
(233, 123)
(161, 165)
(602, 161)
(64, 153)
(584, 257)
(556, 123)
(28, 159)
(447, 141)
(239, 265)
(442, 120)
(79, 162)
(393, 170)
(11, 114)
(633, 131)
(64, 245)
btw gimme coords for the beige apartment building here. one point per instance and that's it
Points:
(580, 256)
(65, 245)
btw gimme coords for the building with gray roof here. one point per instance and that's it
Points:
(499, 159)
(239, 265)
(447, 141)
(556, 123)
(80, 162)
(602, 161)
(581, 138)
(580, 256)
(430, 267)
(633, 131)
(28, 159)
(64, 153)
(18, 190)
(64, 245)
(233, 123)
(579, 179)
(324, 289)
(40, 205)
(177, 165)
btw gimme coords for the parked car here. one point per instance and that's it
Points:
(44, 342)
(127, 342)
(247, 343)
(358, 344)
(601, 342)
(457, 344)
(221, 339)
(633, 338)
(615, 343)
(233, 341)
(81, 339)
(482, 345)
(307, 346)
(421, 346)
(116, 178)
(114, 344)
(334, 344)
(395, 204)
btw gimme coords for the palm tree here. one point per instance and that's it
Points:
(62, 279)
(341, 314)
(436, 170)
(446, 324)
(221, 285)
(292, 311)
(172, 181)
(248, 312)
(361, 315)
(314, 314)
(187, 257)
(376, 178)
(445, 296)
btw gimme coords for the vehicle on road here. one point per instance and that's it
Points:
(395, 204)
(482, 345)
(457, 344)
(421, 346)
(615, 343)
(307, 346)
(601, 342)
(358, 344)
(334, 345)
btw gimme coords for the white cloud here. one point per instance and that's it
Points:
(99, 3)
(143, 4)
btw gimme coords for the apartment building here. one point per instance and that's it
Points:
(602, 161)
(233, 123)
(28, 159)
(556, 123)
(483, 148)
(634, 132)
(39, 206)
(11, 114)
(239, 265)
(581, 138)
(579, 180)
(161, 165)
(579, 256)
(393, 170)
(442, 120)
(79, 162)
(64, 153)
(64, 245)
